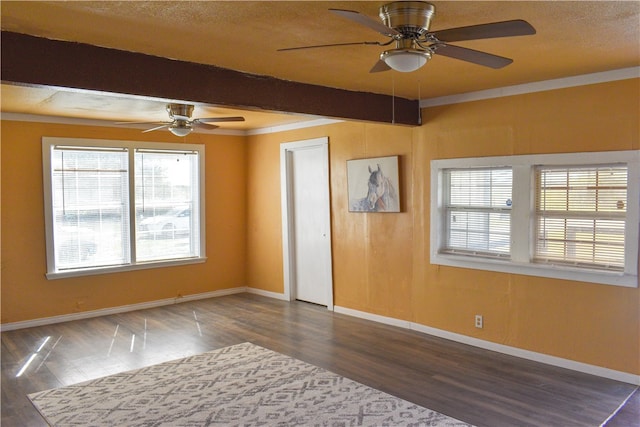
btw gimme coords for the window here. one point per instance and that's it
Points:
(580, 216)
(568, 216)
(114, 205)
(478, 211)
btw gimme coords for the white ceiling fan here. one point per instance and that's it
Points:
(182, 124)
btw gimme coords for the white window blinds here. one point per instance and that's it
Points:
(478, 211)
(90, 207)
(580, 216)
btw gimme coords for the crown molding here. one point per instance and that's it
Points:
(562, 83)
(35, 118)
(293, 126)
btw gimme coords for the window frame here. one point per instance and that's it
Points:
(48, 143)
(523, 217)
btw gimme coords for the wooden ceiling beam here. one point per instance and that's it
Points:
(29, 60)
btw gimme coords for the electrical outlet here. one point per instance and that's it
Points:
(479, 321)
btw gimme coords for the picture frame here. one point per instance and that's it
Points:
(373, 184)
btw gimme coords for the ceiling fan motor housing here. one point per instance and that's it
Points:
(180, 110)
(410, 18)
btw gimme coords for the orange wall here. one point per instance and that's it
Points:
(595, 324)
(27, 294)
(380, 261)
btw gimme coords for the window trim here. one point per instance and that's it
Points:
(49, 142)
(523, 217)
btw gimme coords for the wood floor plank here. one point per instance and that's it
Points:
(478, 386)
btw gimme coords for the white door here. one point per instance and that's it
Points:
(306, 218)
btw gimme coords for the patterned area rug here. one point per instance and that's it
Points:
(239, 385)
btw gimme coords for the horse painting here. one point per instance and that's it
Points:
(381, 194)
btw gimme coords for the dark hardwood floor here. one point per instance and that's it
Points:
(477, 386)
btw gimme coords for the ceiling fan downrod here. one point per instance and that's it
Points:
(409, 18)
(180, 111)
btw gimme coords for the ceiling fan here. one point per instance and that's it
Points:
(181, 123)
(407, 24)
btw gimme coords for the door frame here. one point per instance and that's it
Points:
(288, 233)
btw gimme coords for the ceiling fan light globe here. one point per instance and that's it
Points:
(180, 130)
(405, 60)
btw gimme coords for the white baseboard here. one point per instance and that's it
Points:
(275, 295)
(500, 348)
(373, 317)
(120, 309)
(487, 345)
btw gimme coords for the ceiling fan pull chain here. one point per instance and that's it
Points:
(393, 99)
(419, 99)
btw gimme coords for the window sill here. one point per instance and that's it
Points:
(538, 270)
(122, 268)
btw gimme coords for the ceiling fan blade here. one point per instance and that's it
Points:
(379, 67)
(197, 123)
(516, 27)
(219, 119)
(366, 21)
(330, 45)
(157, 128)
(474, 56)
(140, 123)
